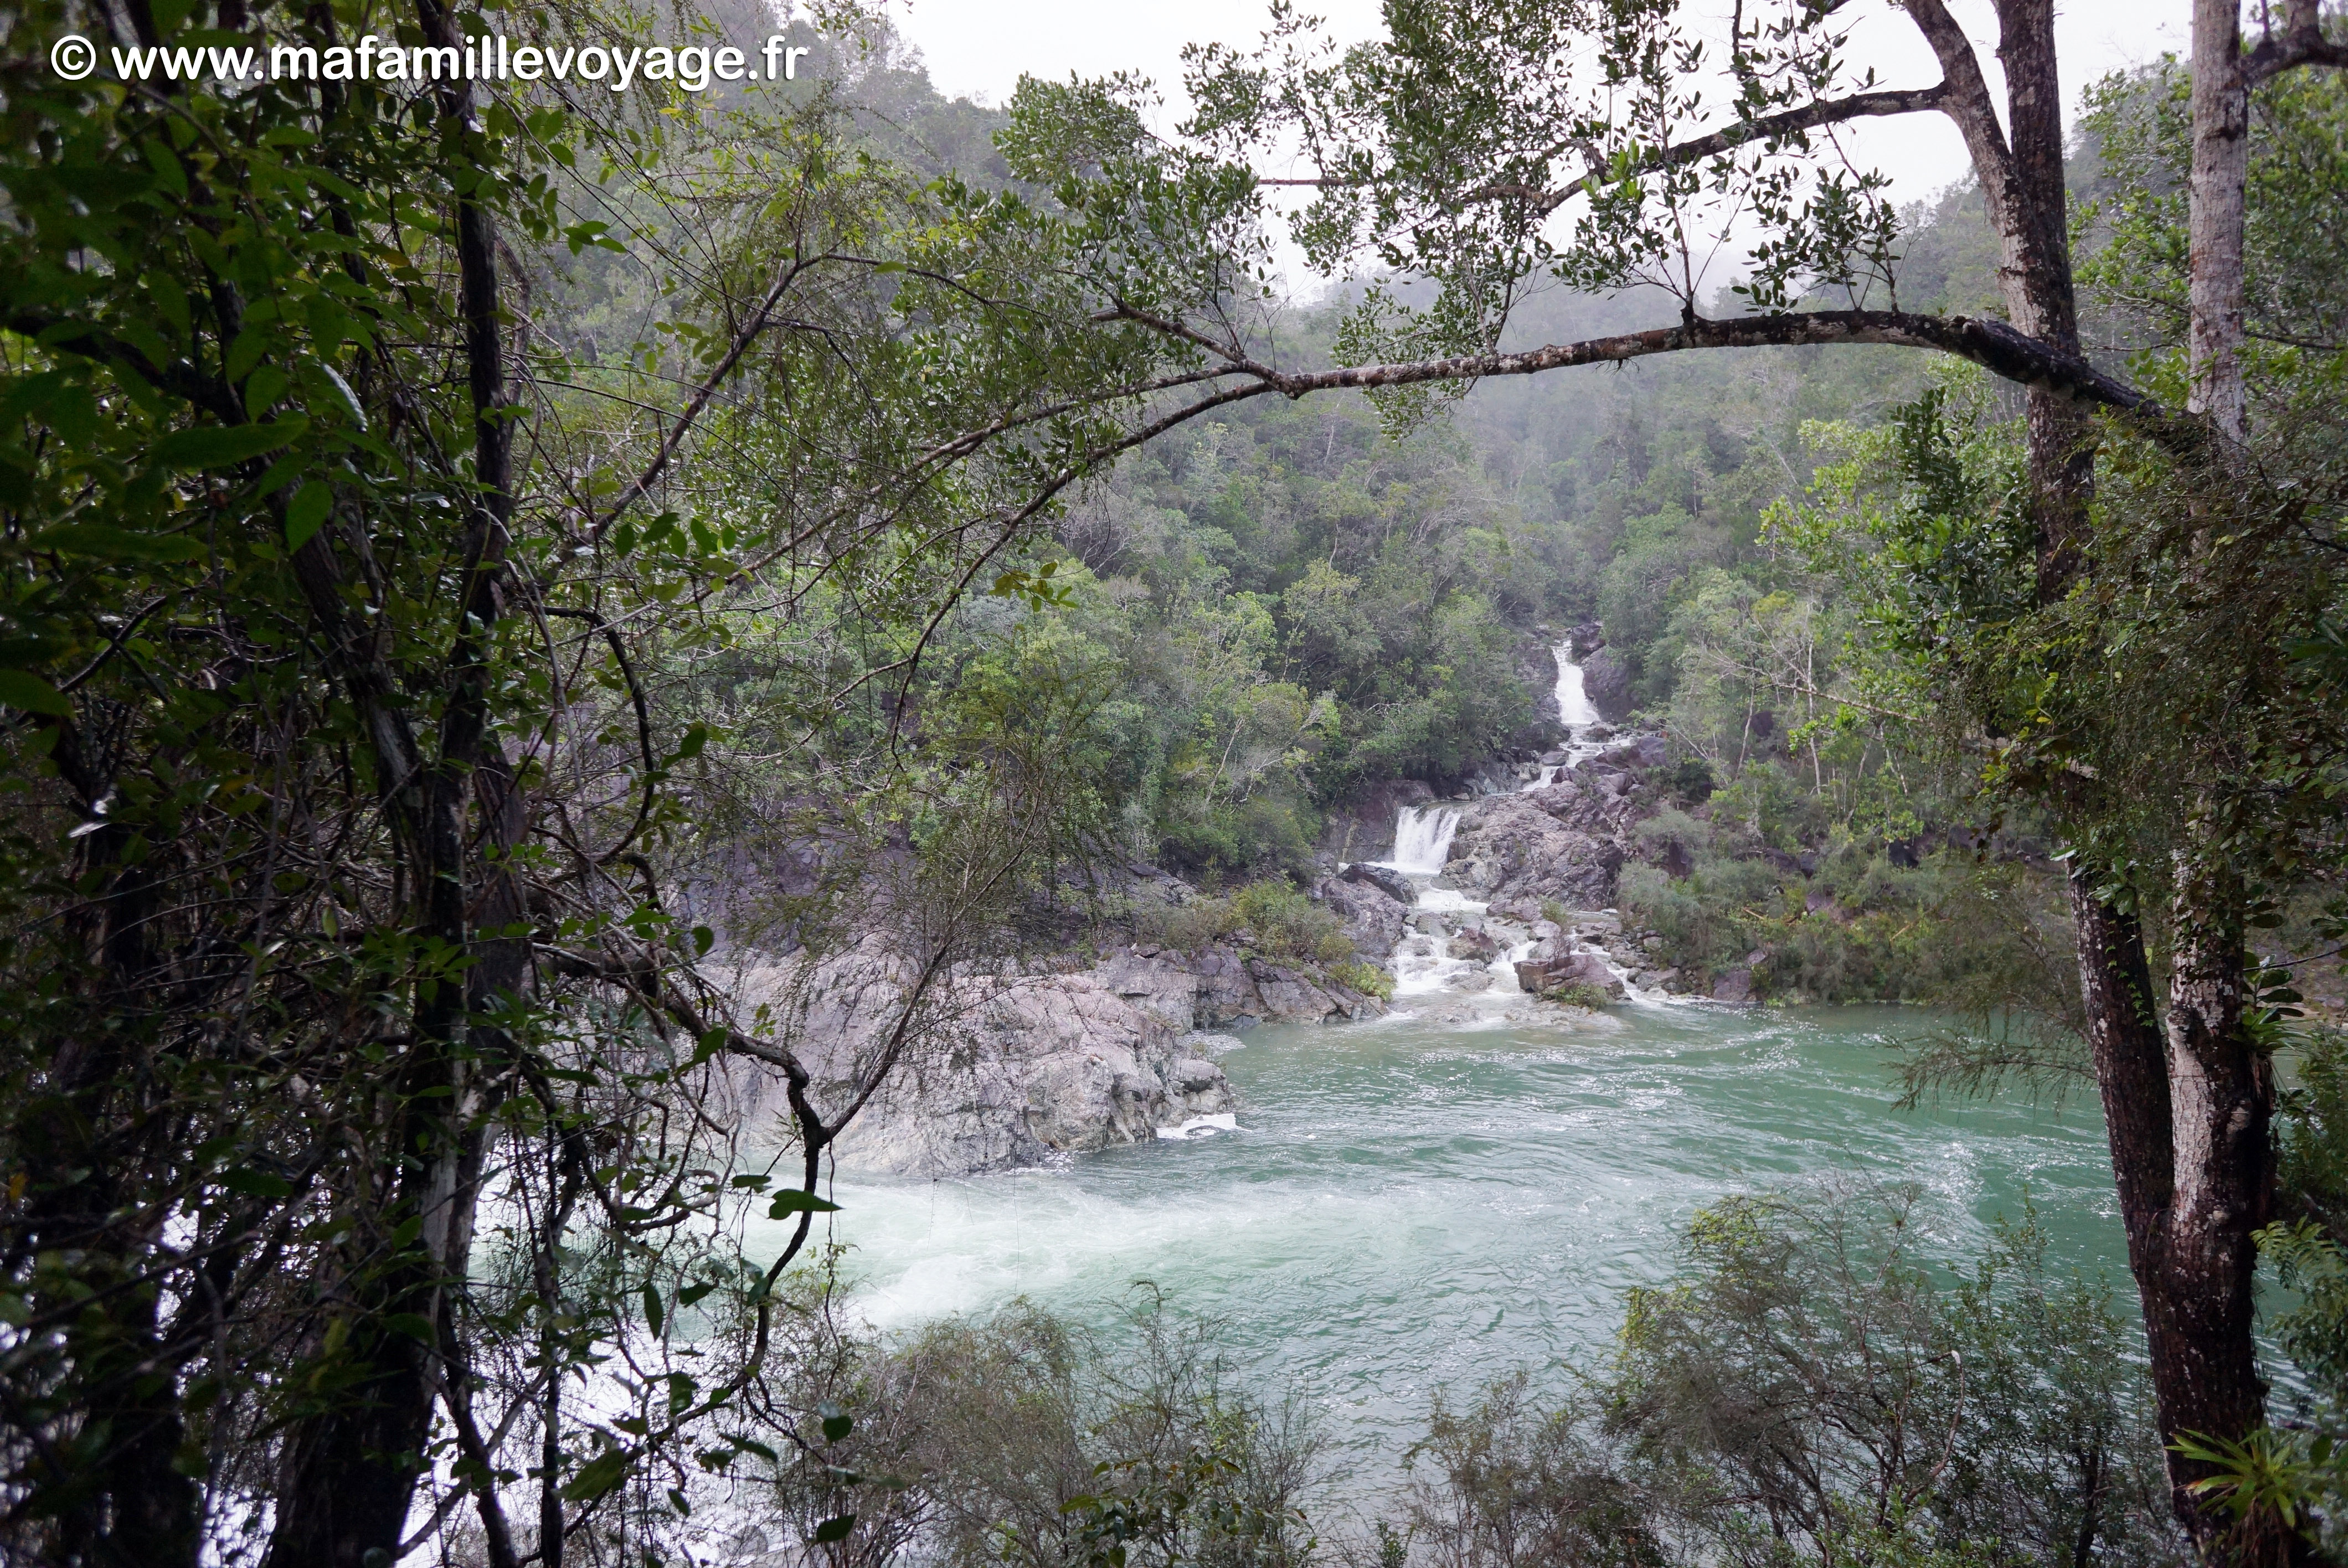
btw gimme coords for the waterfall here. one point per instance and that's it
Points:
(1423, 838)
(1578, 713)
(1573, 703)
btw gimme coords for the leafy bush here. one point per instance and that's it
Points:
(1288, 925)
(1370, 980)
(1022, 1441)
(1188, 927)
(1283, 922)
(1806, 1391)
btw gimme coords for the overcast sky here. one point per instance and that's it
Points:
(981, 48)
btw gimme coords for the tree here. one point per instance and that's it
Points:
(1483, 147)
(340, 868)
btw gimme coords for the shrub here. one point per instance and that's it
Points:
(1288, 925)
(1188, 927)
(1283, 922)
(1806, 1391)
(1370, 980)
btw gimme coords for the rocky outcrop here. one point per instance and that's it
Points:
(1223, 988)
(1606, 681)
(1014, 1069)
(1372, 914)
(1563, 843)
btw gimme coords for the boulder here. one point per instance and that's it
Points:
(1567, 971)
(1733, 986)
(1475, 943)
(1384, 878)
(1606, 682)
(1640, 753)
(1512, 849)
(1373, 919)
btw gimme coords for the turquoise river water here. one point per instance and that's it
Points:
(1408, 1206)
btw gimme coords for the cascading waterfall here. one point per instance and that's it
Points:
(1573, 703)
(1423, 839)
(1578, 713)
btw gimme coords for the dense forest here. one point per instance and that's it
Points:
(572, 659)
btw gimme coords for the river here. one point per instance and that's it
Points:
(1407, 1206)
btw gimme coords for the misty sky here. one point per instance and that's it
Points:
(982, 46)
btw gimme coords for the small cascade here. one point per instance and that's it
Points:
(1573, 703)
(1578, 713)
(1423, 839)
(1423, 963)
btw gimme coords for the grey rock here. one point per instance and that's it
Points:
(1474, 944)
(1606, 681)
(1735, 986)
(1016, 1068)
(1384, 878)
(1194, 1075)
(1541, 977)
(1514, 849)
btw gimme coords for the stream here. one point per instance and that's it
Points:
(1430, 1200)
(1409, 1206)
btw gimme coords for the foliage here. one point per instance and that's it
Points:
(1043, 1445)
(357, 625)
(1805, 1391)
(1272, 918)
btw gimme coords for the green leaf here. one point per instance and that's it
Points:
(414, 1325)
(265, 387)
(835, 1529)
(168, 172)
(255, 1184)
(307, 513)
(597, 1476)
(653, 1313)
(837, 1427)
(21, 688)
(223, 445)
(791, 1201)
(101, 542)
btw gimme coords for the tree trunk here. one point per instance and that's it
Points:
(2186, 1117)
(349, 1473)
(2217, 197)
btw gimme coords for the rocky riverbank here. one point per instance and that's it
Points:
(1020, 1066)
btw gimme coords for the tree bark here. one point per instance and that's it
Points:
(2217, 196)
(349, 1473)
(2222, 1093)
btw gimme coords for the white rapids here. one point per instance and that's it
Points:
(1423, 839)
(1579, 715)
